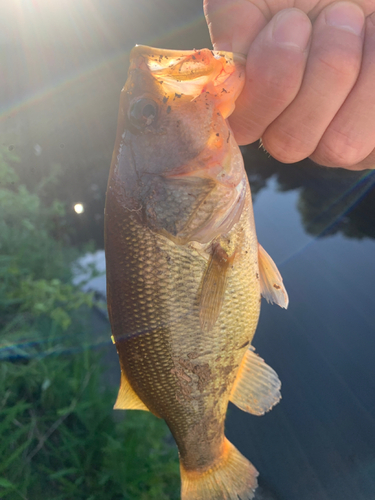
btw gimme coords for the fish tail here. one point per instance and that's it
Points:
(232, 477)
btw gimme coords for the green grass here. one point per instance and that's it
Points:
(59, 437)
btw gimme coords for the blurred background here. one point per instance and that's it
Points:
(63, 65)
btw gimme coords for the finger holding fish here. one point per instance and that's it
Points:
(313, 92)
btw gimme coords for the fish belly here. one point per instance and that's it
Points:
(182, 374)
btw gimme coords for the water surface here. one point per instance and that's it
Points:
(319, 442)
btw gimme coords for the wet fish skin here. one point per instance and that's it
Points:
(183, 278)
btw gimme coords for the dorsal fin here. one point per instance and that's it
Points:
(271, 282)
(257, 386)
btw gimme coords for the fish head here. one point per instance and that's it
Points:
(174, 149)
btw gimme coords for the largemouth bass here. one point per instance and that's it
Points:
(185, 273)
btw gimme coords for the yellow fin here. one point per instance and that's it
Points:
(271, 282)
(230, 478)
(127, 399)
(213, 287)
(257, 386)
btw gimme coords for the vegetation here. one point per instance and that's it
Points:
(59, 437)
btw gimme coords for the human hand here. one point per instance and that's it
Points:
(310, 77)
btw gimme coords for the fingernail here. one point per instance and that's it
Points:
(346, 16)
(291, 28)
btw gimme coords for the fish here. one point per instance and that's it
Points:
(185, 272)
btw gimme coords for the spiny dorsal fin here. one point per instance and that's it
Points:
(213, 287)
(127, 399)
(271, 282)
(257, 386)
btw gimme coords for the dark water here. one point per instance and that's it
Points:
(319, 442)
(60, 107)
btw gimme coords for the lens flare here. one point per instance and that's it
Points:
(79, 208)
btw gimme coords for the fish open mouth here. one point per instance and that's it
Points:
(185, 63)
(193, 72)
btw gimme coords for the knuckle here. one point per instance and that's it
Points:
(340, 150)
(270, 98)
(278, 75)
(279, 84)
(285, 146)
(340, 64)
(276, 92)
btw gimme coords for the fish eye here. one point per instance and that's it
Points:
(142, 113)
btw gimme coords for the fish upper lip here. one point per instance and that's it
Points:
(147, 51)
(143, 50)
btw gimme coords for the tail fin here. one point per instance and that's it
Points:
(233, 477)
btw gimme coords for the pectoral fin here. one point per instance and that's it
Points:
(257, 387)
(271, 282)
(213, 287)
(127, 399)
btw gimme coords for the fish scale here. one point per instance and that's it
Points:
(162, 329)
(184, 269)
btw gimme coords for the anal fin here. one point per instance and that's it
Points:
(213, 287)
(127, 399)
(271, 282)
(257, 387)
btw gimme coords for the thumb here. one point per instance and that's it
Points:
(233, 25)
